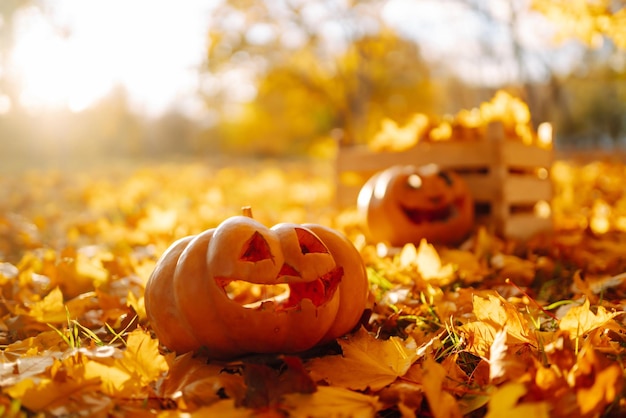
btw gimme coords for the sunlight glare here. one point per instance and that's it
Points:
(79, 51)
(5, 104)
(51, 69)
(544, 134)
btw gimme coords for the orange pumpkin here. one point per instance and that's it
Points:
(191, 303)
(404, 204)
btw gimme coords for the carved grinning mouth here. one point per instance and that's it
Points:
(441, 214)
(282, 296)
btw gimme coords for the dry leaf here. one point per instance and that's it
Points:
(331, 402)
(366, 362)
(505, 403)
(579, 320)
(442, 404)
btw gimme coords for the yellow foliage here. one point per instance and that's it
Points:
(493, 322)
(586, 20)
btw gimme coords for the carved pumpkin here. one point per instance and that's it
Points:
(404, 204)
(191, 300)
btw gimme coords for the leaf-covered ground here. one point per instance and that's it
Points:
(492, 328)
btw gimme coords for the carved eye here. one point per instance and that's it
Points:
(414, 181)
(256, 249)
(309, 243)
(446, 177)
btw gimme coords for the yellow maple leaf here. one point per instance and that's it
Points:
(442, 404)
(366, 362)
(579, 320)
(42, 392)
(138, 304)
(480, 336)
(426, 261)
(113, 379)
(142, 359)
(494, 314)
(49, 310)
(128, 373)
(495, 310)
(504, 403)
(328, 401)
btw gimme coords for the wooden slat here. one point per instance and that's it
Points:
(482, 186)
(515, 154)
(525, 189)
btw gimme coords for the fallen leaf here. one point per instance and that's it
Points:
(14, 371)
(331, 402)
(49, 310)
(597, 382)
(505, 403)
(426, 261)
(193, 382)
(442, 404)
(65, 380)
(579, 320)
(366, 362)
(266, 385)
(142, 358)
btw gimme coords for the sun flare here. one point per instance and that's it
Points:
(77, 52)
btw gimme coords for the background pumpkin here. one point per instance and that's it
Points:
(404, 204)
(189, 307)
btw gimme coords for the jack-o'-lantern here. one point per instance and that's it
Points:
(311, 282)
(404, 204)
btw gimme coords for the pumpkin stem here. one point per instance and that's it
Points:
(247, 211)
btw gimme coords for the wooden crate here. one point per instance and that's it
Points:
(506, 177)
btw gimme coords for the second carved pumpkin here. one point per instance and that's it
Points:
(405, 204)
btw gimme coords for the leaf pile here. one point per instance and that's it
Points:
(492, 328)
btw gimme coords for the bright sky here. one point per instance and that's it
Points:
(151, 47)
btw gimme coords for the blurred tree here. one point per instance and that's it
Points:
(593, 109)
(319, 67)
(378, 76)
(589, 21)
(596, 93)
(584, 101)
